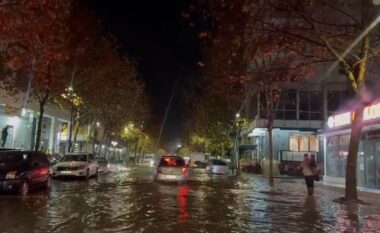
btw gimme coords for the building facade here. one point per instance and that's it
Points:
(299, 116)
(336, 140)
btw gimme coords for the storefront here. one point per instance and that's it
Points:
(336, 142)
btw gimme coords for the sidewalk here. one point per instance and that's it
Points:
(368, 195)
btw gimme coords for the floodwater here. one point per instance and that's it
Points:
(128, 200)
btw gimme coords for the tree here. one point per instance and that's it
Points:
(123, 99)
(35, 34)
(136, 139)
(271, 71)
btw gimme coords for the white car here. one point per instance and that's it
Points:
(217, 166)
(104, 166)
(76, 165)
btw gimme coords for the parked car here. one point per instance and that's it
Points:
(22, 171)
(150, 160)
(172, 168)
(199, 164)
(104, 165)
(217, 166)
(76, 165)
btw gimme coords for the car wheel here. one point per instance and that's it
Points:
(87, 173)
(24, 188)
(48, 183)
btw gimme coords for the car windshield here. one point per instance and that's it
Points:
(219, 162)
(101, 159)
(79, 158)
(172, 162)
(13, 158)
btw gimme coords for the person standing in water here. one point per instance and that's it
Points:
(313, 164)
(308, 173)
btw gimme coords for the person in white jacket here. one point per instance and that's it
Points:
(308, 173)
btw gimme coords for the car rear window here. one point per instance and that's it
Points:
(13, 158)
(172, 162)
(219, 162)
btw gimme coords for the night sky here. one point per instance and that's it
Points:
(167, 49)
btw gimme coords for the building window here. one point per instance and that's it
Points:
(335, 99)
(310, 105)
(287, 105)
(303, 143)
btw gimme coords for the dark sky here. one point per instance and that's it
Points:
(154, 33)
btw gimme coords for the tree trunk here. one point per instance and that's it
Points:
(269, 103)
(71, 128)
(351, 193)
(270, 145)
(75, 135)
(42, 103)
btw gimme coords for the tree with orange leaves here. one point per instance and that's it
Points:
(34, 35)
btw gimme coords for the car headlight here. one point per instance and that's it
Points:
(81, 167)
(11, 175)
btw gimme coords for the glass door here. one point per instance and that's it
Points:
(377, 164)
(370, 165)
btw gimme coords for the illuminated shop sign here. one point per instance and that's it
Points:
(371, 112)
(339, 120)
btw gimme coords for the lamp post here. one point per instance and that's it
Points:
(114, 144)
(238, 122)
(70, 96)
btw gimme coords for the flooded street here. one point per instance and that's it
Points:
(129, 201)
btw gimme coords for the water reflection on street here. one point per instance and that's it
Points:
(129, 201)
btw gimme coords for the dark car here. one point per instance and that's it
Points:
(22, 171)
(199, 164)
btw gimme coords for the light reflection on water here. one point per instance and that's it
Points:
(131, 202)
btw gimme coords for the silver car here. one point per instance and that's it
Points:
(217, 166)
(172, 168)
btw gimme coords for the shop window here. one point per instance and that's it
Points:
(313, 143)
(303, 143)
(293, 143)
(337, 151)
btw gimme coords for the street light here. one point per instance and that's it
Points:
(75, 101)
(114, 143)
(237, 115)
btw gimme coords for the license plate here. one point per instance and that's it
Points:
(171, 176)
(66, 172)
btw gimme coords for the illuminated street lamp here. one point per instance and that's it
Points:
(114, 143)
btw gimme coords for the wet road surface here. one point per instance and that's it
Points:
(129, 201)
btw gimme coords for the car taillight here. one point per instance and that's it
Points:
(184, 170)
(159, 170)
